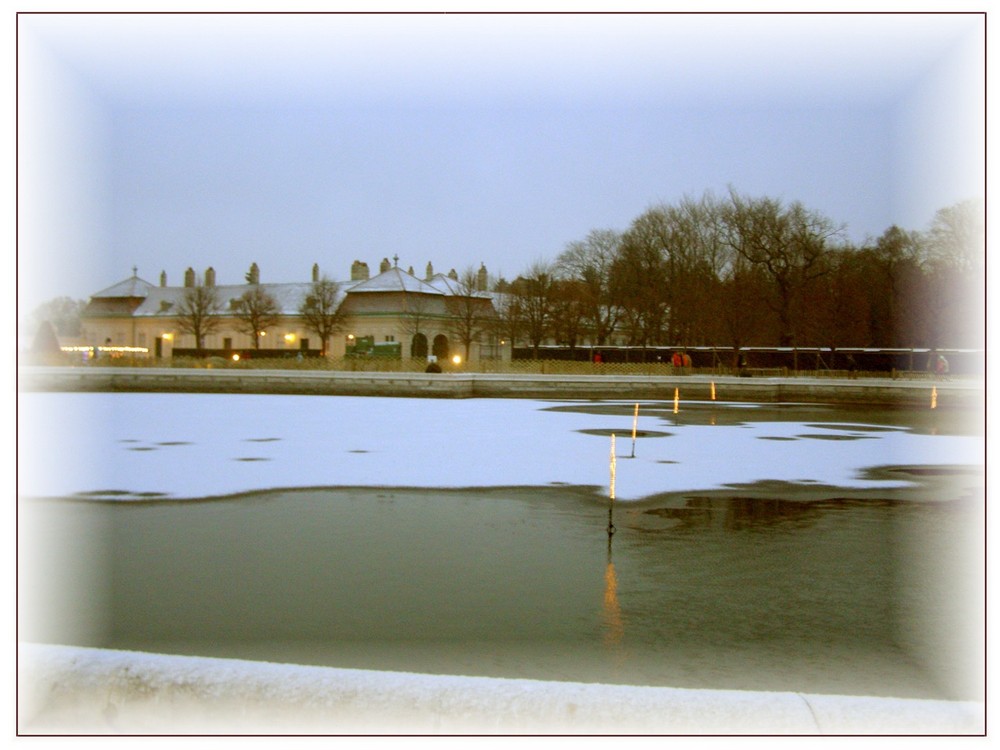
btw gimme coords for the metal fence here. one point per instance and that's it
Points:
(494, 366)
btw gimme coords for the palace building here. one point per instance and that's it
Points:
(393, 313)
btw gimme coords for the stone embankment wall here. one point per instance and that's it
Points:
(65, 689)
(875, 391)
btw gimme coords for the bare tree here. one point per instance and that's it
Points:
(640, 282)
(256, 311)
(505, 323)
(568, 311)
(321, 311)
(198, 313)
(956, 285)
(589, 262)
(742, 287)
(531, 303)
(62, 312)
(957, 236)
(698, 256)
(895, 263)
(788, 243)
(839, 312)
(469, 310)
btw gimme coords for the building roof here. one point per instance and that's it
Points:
(163, 300)
(453, 288)
(133, 286)
(140, 298)
(395, 280)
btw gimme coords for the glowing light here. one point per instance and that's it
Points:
(236, 358)
(934, 397)
(713, 390)
(456, 359)
(612, 610)
(677, 399)
(168, 337)
(109, 349)
(613, 467)
(290, 338)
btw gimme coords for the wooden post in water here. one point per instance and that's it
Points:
(613, 462)
(611, 501)
(635, 422)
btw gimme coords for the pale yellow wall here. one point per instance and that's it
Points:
(145, 331)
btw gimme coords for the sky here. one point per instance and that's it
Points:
(163, 141)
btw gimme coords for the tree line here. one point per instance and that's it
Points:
(728, 271)
(256, 311)
(753, 271)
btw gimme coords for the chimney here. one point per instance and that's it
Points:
(384, 266)
(189, 277)
(359, 271)
(209, 276)
(482, 278)
(453, 275)
(163, 278)
(430, 271)
(315, 272)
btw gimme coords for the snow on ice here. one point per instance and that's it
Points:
(133, 445)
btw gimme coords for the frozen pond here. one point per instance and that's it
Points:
(768, 548)
(135, 446)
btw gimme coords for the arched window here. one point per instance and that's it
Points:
(418, 347)
(441, 346)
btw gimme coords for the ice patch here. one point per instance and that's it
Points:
(197, 445)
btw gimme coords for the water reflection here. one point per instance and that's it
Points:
(732, 414)
(614, 627)
(734, 513)
(611, 614)
(827, 594)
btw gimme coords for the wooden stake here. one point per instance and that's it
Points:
(635, 422)
(613, 466)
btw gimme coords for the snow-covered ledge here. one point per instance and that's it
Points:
(83, 690)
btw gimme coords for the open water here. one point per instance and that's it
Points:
(799, 592)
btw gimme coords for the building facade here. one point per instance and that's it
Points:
(391, 313)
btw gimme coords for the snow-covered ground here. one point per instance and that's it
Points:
(109, 692)
(199, 445)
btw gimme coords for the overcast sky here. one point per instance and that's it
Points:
(168, 141)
